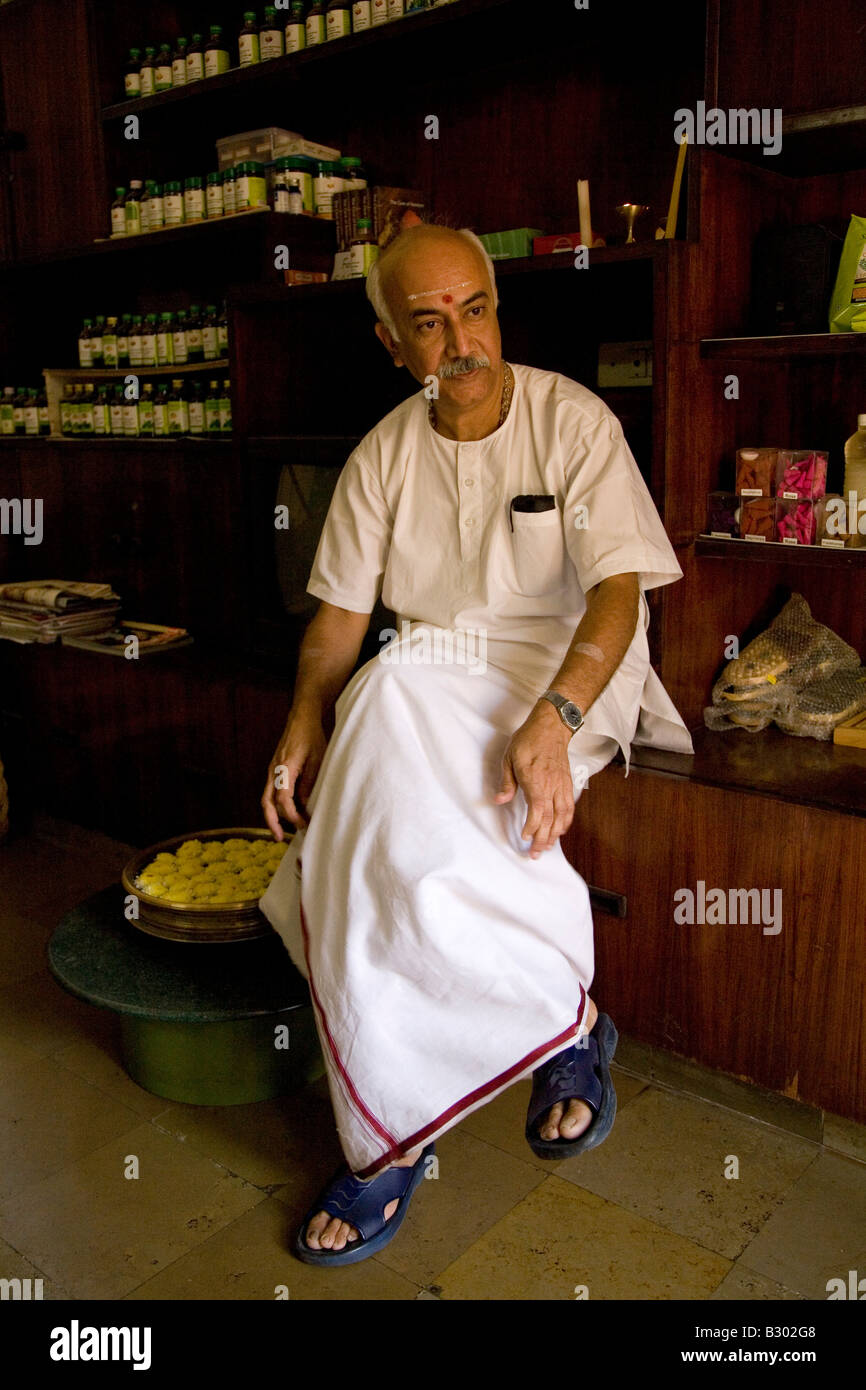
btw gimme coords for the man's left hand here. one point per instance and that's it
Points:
(536, 761)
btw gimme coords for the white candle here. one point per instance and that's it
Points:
(583, 207)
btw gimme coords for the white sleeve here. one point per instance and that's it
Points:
(355, 541)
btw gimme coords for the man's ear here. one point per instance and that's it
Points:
(390, 343)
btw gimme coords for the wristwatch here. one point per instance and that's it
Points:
(568, 710)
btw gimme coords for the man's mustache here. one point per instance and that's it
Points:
(460, 366)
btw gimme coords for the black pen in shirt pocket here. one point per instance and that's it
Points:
(530, 502)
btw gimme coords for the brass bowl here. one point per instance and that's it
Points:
(210, 922)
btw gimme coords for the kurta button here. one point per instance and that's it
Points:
(470, 482)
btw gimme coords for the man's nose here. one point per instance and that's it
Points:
(459, 338)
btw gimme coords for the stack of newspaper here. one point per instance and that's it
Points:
(41, 610)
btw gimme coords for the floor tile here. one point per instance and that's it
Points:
(744, 1283)
(100, 1063)
(36, 1011)
(50, 1118)
(100, 1234)
(251, 1259)
(561, 1242)
(472, 1188)
(666, 1159)
(15, 1266)
(503, 1121)
(268, 1143)
(845, 1137)
(23, 938)
(819, 1231)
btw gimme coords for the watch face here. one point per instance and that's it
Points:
(572, 715)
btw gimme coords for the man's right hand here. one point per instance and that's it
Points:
(294, 768)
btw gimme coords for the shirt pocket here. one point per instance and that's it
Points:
(538, 548)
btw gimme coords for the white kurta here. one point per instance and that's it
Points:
(445, 964)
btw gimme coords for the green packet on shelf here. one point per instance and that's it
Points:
(848, 304)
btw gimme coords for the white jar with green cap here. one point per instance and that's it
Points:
(329, 181)
(251, 187)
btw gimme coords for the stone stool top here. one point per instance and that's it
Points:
(98, 955)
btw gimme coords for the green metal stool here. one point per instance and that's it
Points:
(199, 1023)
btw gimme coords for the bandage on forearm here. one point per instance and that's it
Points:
(587, 649)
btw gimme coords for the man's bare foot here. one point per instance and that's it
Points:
(326, 1232)
(578, 1116)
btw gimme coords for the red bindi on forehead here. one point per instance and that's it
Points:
(447, 299)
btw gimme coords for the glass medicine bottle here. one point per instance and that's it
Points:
(296, 28)
(148, 73)
(316, 27)
(195, 59)
(338, 19)
(178, 63)
(248, 41)
(216, 55)
(132, 74)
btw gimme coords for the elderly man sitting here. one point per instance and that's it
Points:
(426, 898)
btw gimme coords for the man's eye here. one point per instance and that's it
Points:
(430, 323)
(477, 309)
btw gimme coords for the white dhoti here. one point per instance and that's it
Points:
(444, 964)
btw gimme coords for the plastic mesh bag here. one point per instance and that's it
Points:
(761, 684)
(815, 710)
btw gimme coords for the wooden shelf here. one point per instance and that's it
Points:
(776, 553)
(805, 771)
(784, 347)
(116, 373)
(829, 141)
(317, 233)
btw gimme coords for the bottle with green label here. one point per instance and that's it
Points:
(85, 346)
(225, 409)
(86, 418)
(178, 410)
(216, 55)
(165, 340)
(130, 410)
(96, 348)
(194, 343)
(132, 75)
(160, 413)
(316, 25)
(361, 15)
(135, 341)
(193, 199)
(42, 405)
(280, 195)
(196, 408)
(148, 73)
(65, 410)
(173, 203)
(101, 412)
(7, 408)
(251, 188)
(115, 410)
(195, 59)
(133, 208)
(148, 341)
(145, 411)
(363, 248)
(178, 63)
(271, 36)
(124, 328)
(210, 334)
(31, 412)
(248, 40)
(75, 408)
(109, 344)
(223, 333)
(145, 205)
(157, 208)
(179, 339)
(118, 213)
(338, 20)
(296, 28)
(212, 409)
(229, 183)
(214, 195)
(18, 407)
(162, 74)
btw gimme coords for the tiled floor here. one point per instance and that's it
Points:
(654, 1213)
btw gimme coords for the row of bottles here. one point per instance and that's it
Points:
(24, 410)
(157, 410)
(167, 339)
(160, 67)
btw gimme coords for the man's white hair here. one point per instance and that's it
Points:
(375, 290)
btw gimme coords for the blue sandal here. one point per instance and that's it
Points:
(362, 1205)
(578, 1073)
